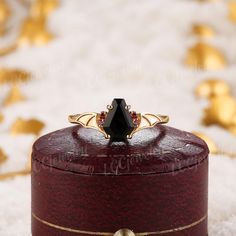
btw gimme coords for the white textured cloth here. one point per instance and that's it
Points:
(131, 49)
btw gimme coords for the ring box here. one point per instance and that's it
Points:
(154, 184)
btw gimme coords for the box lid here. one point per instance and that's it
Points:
(159, 149)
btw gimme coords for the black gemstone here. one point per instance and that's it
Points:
(118, 123)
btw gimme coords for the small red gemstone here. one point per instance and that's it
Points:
(103, 114)
(133, 114)
(135, 118)
(102, 118)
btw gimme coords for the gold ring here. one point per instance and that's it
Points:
(118, 123)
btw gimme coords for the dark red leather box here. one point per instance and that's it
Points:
(154, 184)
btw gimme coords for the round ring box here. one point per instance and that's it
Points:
(154, 184)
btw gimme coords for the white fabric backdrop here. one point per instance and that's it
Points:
(131, 49)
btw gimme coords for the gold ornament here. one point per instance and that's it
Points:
(232, 129)
(232, 11)
(4, 16)
(3, 156)
(13, 76)
(42, 8)
(34, 29)
(213, 147)
(14, 96)
(1, 118)
(212, 88)
(221, 111)
(14, 174)
(32, 126)
(4, 12)
(34, 32)
(2, 30)
(203, 31)
(9, 49)
(206, 57)
(222, 105)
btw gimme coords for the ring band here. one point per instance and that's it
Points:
(119, 123)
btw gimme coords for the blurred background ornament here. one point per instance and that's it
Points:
(222, 105)
(13, 77)
(233, 130)
(2, 30)
(15, 95)
(204, 56)
(222, 111)
(3, 157)
(32, 126)
(212, 146)
(232, 11)
(1, 117)
(34, 29)
(14, 174)
(203, 31)
(34, 32)
(211, 88)
(42, 8)
(5, 13)
(7, 50)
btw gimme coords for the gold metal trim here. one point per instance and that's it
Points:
(148, 120)
(87, 120)
(69, 229)
(181, 228)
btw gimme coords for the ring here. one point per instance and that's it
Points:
(118, 123)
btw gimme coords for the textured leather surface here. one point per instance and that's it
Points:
(161, 193)
(155, 150)
(108, 203)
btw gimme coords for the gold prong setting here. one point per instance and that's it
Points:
(109, 107)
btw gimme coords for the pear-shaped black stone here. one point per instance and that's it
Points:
(118, 123)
